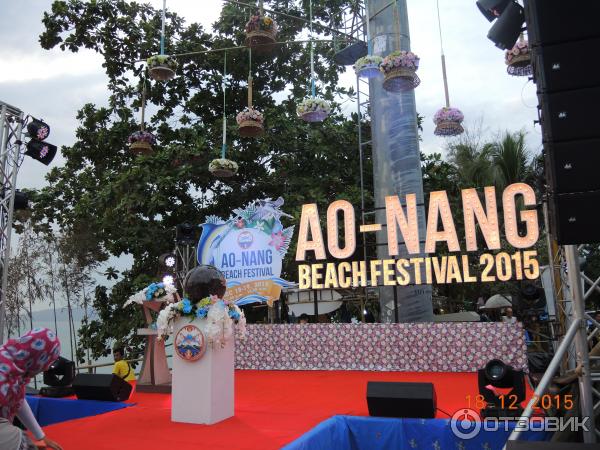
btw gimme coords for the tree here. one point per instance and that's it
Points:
(130, 204)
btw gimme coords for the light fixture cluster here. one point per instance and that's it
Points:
(37, 148)
(509, 17)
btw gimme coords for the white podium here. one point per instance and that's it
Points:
(202, 390)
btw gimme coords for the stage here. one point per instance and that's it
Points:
(272, 409)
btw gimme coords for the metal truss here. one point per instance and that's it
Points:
(186, 260)
(12, 122)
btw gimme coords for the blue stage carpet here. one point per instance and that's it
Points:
(49, 411)
(377, 433)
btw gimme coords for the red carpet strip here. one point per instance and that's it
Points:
(272, 408)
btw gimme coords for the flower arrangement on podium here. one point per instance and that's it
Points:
(141, 142)
(161, 67)
(399, 69)
(154, 292)
(221, 315)
(313, 109)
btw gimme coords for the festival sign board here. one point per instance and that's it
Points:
(521, 231)
(248, 248)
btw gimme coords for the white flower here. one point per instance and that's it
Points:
(140, 297)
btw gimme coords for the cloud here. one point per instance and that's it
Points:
(54, 84)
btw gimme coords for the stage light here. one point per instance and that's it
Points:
(168, 260)
(58, 378)
(506, 30)
(38, 129)
(21, 200)
(168, 280)
(185, 234)
(531, 300)
(42, 151)
(492, 9)
(500, 375)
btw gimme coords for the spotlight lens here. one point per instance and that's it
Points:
(170, 261)
(168, 280)
(495, 370)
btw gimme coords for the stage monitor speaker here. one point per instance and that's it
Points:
(572, 166)
(553, 21)
(574, 218)
(107, 387)
(567, 65)
(570, 115)
(392, 399)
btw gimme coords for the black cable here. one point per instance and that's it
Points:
(444, 412)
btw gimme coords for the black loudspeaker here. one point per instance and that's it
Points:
(574, 218)
(391, 399)
(567, 66)
(552, 21)
(570, 115)
(572, 166)
(564, 37)
(105, 387)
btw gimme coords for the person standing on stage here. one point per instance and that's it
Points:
(121, 368)
(20, 360)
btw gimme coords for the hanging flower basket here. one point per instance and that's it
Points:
(223, 168)
(448, 122)
(313, 109)
(261, 32)
(518, 59)
(399, 69)
(161, 67)
(250, 122)
(368, 66)
(141, 142)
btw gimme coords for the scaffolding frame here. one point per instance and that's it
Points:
(12, 121)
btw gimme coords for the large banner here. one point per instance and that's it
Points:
(249, 249)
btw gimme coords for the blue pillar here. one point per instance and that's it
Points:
(396, 157)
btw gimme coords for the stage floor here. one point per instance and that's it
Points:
(272, 408)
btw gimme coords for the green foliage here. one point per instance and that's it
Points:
(128, 204)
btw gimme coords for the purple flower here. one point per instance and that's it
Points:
(448, 115)
(142, 136)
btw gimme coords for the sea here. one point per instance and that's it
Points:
(45, 318)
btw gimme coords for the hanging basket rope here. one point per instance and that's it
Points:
(313, 109)
(368, 66)
(447, 120)
(141, 142)
(250, 121)
(223, 167)
(162, 67)
(400, 67)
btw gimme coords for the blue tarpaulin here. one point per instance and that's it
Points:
(378, 433)
(48, 411)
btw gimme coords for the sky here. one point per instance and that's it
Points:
(53, 85)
